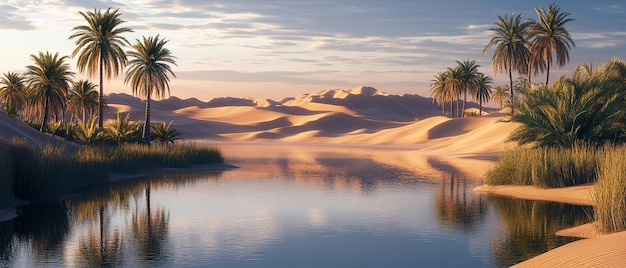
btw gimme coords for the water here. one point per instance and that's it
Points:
(291, 207)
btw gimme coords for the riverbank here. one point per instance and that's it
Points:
(599, 250)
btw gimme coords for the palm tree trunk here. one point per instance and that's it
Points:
(451, 108)
(146, 126)
(511, 84)
(480, 106)
(45, 114)
(547, 74)
(101, 97)
(464, 101)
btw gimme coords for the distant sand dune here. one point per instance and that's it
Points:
(359, 115)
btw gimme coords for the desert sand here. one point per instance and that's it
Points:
(364, 116)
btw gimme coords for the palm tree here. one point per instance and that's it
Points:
(511, 53)
(438, 90)
(483, 90)
(548, 35)
(83, 99)
(13, 93)
(49, 79)
(148, 73)
(99, 47)
(469, 72)
(454, 86)
(165, 134)
(499, 95)
(122, 129)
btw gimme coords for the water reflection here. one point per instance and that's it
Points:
(528, 227)
(290, 207)
(456, 206)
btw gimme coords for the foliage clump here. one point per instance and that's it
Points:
(48, 172)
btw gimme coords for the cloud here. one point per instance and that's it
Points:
(260, 77)
(9, 20)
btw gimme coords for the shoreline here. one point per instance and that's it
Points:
(9, 213)
(594, 249)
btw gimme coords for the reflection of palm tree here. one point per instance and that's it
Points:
(529, 227)
(455, 208)
(150, 229)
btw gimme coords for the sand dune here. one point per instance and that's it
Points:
(13, 127)
(359, 115)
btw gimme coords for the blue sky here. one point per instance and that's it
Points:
(277, 49)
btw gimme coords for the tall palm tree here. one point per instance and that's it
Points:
(438, 90)
(49, 79)
(511, 52)
(483, 90)
(99, 46)
(83, 99)
(148, 73)
(499, 95)
(548, 35)
(13, 92)
(454, 86)
(469, 72)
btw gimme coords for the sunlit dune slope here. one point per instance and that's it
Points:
(361, 115)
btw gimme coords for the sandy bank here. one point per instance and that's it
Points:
(577, 195)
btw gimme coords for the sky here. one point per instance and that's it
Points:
(280, 48)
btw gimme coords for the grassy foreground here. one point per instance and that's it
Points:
(48, 172)
(560, 167)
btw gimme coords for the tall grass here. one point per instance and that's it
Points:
(548, 166)
(48, 172)
(610, 193)
(559, 167)
(7, 169)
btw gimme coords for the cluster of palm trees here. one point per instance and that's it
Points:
(528, 47)
(449, 86)
(47, 89)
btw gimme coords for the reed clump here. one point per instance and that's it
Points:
(610, 193)
(548, 167)
(7, 169)
(51, 171)
(560, 167)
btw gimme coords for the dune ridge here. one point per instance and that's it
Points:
(359, 115)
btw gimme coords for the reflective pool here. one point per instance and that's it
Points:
(296, 206)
